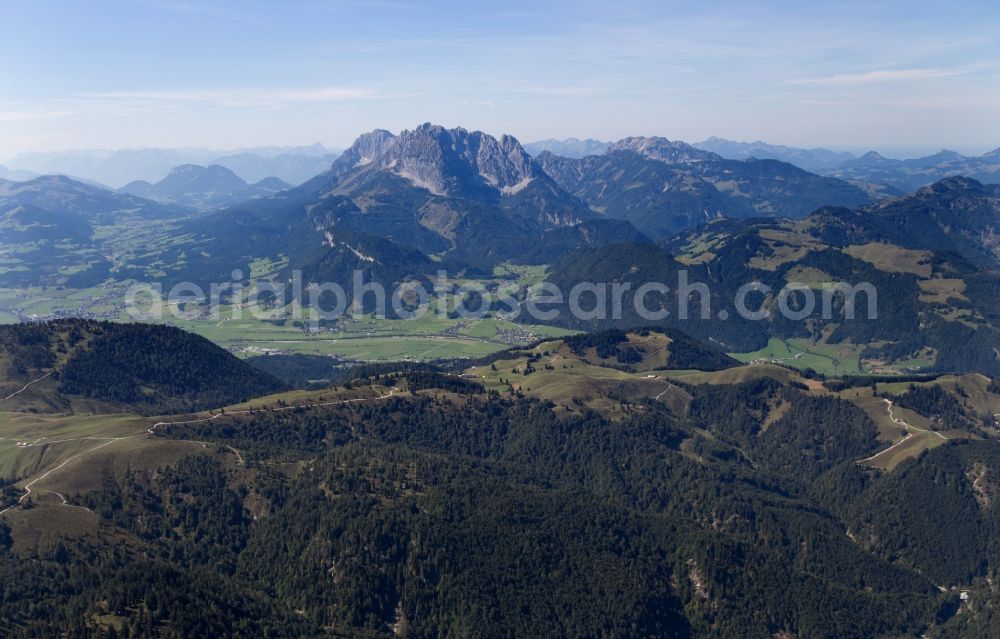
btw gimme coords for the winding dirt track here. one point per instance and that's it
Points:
(152, 429)
(26, 386)
(665, 390)
(906, 438)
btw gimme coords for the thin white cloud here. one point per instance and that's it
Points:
(878, 77)
(20, 116)
(237, 97)
(489, 104)
(572, 92)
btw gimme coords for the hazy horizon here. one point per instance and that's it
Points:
(178, 73)
(896, 152)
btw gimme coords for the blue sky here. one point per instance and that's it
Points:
(885, 75)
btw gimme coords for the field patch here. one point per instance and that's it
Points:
(827, 359)
(892, 258)
(939, 290)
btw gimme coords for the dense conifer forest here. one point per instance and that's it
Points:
(451, 513)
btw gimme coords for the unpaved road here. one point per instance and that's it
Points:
(906, 438)
(152, 429)
(26, 386)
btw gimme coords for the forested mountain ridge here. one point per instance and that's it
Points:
(108, 367)
(927, 256)
(418, 508)
(94, 204)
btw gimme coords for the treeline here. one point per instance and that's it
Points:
(425, 380)
(857, 381)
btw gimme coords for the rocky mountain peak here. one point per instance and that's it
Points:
(453, 162)
(367, 148)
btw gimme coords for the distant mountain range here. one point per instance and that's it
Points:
(570, 147)
(16, 175)
(910, 175)
(873, 173)
(392, 204)
(48, 229)
(809, 159)
(391, 201)
(402, 206)
(118, 168)
(663, 186)
(472, 201)
(203, 188)
(92, 204)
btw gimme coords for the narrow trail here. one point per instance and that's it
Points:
(906, 438)
(669, 387)
(907, 425)
(69, 505)
(659, 350)
(152, 430)
(239, 457)
(429, 350)
(26, 386)
(27, 487)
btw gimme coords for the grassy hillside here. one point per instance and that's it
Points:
(932, 309)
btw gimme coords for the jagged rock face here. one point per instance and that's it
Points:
(365, 150)
(452, 162)
(568, 173)
(657, 148)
